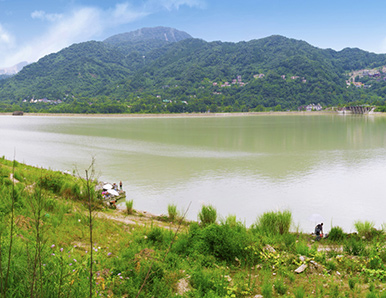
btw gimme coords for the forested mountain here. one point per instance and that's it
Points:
(165, 70)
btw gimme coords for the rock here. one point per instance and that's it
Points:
(258, 296)
(237, 261)
(301, 268)
(269, 248)
(302, 258)
(183, 286)
(315, 266)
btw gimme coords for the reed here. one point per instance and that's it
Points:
(364, 228)
(274, 223)
(129, 207)
(207, 215)
(172, 212)
(336, 234)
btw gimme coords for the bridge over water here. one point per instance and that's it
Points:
(358, 109)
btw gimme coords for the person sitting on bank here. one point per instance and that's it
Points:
(112, 204)
(319, 231)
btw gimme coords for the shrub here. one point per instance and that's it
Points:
(221, 241)
(273, 223)
(129, 206)
(336, 234)
(207, 215)
(156, 235)
(172, 212)
(52, 181)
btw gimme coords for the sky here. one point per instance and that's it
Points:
(31, 29)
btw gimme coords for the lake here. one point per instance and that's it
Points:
(331, 165)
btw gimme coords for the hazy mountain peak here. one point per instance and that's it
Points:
(156, 33)
(13, 69)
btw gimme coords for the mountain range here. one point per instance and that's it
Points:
(166, 70)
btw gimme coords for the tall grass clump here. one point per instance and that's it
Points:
(172, 212)
(299, 292)
(354, 246)
(129, 206)
(336, 234)
(280, 287)
(266, 289)
(273, 223)
(207, 215)
(365, 229)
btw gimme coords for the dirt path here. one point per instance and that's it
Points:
(140, 218)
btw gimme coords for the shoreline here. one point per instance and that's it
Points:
(184, 115)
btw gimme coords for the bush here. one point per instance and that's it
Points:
(156, 235)
(207, 215)
(336, 234)
(273, 223)
(221, 241)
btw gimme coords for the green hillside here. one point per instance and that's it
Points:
(162, 70)
(59, 239)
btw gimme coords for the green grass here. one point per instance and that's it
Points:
(51, 250)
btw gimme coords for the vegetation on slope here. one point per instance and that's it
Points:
(142, 72)
(46, 249)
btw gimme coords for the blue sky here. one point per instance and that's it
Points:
(30, 29)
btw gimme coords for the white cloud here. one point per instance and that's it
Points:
(175, 4)
(155, 5)
(81, 24)
(5, 38)
(383, 46)
(123, 13)
(42, 15)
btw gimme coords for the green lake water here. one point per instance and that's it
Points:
(330, 165)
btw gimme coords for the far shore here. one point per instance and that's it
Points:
(184, 115)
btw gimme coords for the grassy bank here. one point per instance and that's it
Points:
(58, 239)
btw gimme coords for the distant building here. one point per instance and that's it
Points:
(310, 107)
